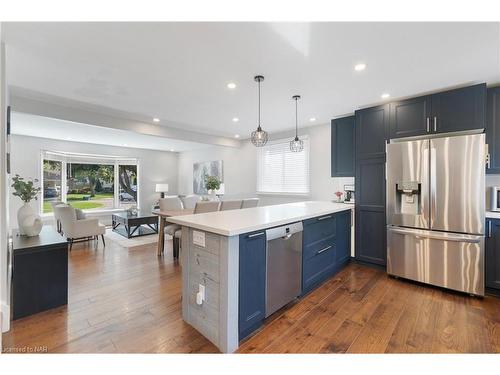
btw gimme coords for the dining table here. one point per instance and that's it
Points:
(163, 219)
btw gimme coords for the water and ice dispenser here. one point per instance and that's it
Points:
(408, 198)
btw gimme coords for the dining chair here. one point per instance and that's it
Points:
(249, 203)
(172, 203)
(206, 206)
(231, 205)
(200, 208)
(189, 201)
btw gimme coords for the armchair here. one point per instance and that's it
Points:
(75, 229)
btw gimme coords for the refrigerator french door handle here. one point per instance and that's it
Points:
(432, 187)
(437, 235)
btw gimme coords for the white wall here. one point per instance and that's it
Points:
(4, 295)
(240, 168)
(154, 166)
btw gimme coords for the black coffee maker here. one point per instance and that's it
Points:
(349, 193)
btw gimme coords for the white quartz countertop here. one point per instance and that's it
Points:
(493, 214)
(235, 222)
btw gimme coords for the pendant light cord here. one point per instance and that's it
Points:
(259, 102)
(296, 121)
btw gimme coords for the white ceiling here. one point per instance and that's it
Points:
(44, 127)
(179, 71)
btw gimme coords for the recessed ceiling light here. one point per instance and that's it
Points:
(171, 150)
(312, 119)
(125, 144)
(156, 119)
(69, 138)
(385, 95)
(359, 67)
(236, 119)
(231, 85)
(236, 136)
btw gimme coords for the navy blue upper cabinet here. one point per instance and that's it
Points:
(493, 129)
(410, 117)
(492, 250)
(448, 111)
(460, 109)
(342, 147)
(252, 282)
(372, 125)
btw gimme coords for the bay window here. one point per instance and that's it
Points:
(91, 182)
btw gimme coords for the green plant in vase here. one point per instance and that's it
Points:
(212, 183)
(30, 224)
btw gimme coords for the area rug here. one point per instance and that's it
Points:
(131, 243)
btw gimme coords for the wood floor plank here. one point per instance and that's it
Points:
(129, 301)
(377, 332)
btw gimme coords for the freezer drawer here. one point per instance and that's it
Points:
(448, 260)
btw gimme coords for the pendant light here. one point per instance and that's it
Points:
(296, 144)
(259, 137)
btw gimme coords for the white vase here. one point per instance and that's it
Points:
(30, 224)
(212, 195)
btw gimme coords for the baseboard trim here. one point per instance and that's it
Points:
(5, 317)
(367, 264)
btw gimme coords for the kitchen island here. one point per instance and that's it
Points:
(223, 261)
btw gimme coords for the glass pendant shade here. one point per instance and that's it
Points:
(259, 137)
(296, 145)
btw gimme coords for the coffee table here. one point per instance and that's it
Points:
(128, 225)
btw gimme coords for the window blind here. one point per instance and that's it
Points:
(281, 171)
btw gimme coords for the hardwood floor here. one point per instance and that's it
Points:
(124, 301)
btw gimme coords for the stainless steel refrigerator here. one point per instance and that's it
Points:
(435, 211)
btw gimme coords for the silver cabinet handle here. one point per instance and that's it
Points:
(428, 124)
(435, 123)
(324, 217)
(325, 249)
(489, 228)
(255, 235)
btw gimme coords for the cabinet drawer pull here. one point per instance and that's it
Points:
(324, 217)
(255, 234)
(325, 249)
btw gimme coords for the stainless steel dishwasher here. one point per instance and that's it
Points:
(283, 265)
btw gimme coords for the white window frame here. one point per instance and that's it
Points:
(306, 150)
(116, 161)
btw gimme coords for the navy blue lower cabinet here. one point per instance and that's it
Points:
(492, 250)
(343, 237)
(326, 247)
(252, 282)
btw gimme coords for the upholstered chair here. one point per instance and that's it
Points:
(75, 229)
(230, 205)
(189, 201)
(249, 203)
(200, 208)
